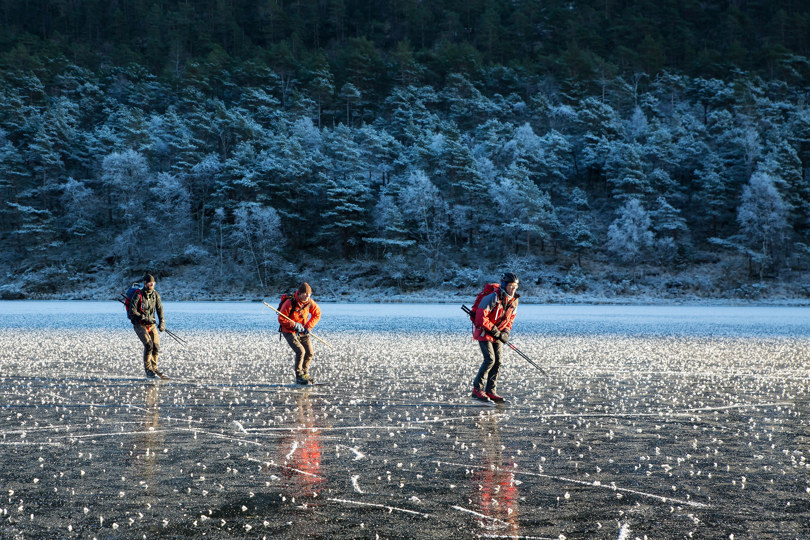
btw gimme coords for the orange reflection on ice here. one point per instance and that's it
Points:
(497, 492)
(301, 454)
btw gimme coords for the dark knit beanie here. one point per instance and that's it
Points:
(148, 278)
(305, 288)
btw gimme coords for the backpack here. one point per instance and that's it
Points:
(293, 304)
(489, 288)
(130, 296)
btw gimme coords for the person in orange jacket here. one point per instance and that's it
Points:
(305, 314)
(493, 322)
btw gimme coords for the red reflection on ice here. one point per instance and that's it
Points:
(496, 488)
(301, 454)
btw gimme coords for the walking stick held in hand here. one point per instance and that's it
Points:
(177, 338)
(174, 336)
(467, 310)
(292, 321)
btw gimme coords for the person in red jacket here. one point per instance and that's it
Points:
(493, 322)
(305, 314)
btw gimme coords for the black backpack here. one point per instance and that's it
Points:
(133, 294)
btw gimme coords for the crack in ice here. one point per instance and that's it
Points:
(595, 484)
(386, 507)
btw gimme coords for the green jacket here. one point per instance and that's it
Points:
(144, 309)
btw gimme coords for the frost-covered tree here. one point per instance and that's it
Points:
(466, 104)
(170, 216)
(412, 112)
(671, 230)
(555, 165)
(580, 238)
(34, 231)
(81, 206)
(426, 215)
(625, 170)
(523, 148)
(13, 178)
(346, 205)
(527, 213)
(322, 86)
(762, 216)
(727, 139)
(389, 226)
(350, 94)
(132, 128)
(629, 236)
(204, 175)
(257, 237)
(712, 196)
(456, 173)
(260, 104)
(597, 125)
(126, 180)
(46, 164)
(173, 145)
(379, 153)
(782, 163)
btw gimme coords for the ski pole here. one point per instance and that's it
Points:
(467, 310)
(177, 338)
(529, 360)
(174, 336)
(292, 321)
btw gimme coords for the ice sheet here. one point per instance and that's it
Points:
(657, 421)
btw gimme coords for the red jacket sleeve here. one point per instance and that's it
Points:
(315, 315)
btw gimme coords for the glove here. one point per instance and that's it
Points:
(299, 328)
(504, 337)
(495, 333)
(162, 327)
(306, 331)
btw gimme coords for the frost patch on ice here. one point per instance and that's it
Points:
(358, 455)
(355, 483)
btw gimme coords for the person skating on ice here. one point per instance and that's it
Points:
(298, 316)
(145, 305)
(493, 322)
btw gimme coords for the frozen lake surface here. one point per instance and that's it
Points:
(654, 422)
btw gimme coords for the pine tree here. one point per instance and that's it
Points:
(629, 236)
(528, 214)
(204, 176)
(763, 219)
(256, 233)
(126, 181)
(457, 173)
(389, 226)
(782, 163)
(625, 171)
(426, 214)
(714, 194)
(46, 164)
(81, 208)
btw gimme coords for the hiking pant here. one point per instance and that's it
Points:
(302, 347)
(489, 367)
(151, 345)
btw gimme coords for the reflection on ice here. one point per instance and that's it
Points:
(657, 422)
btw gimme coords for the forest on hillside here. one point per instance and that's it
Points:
(592, 146)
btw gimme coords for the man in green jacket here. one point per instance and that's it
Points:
(143, 308)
